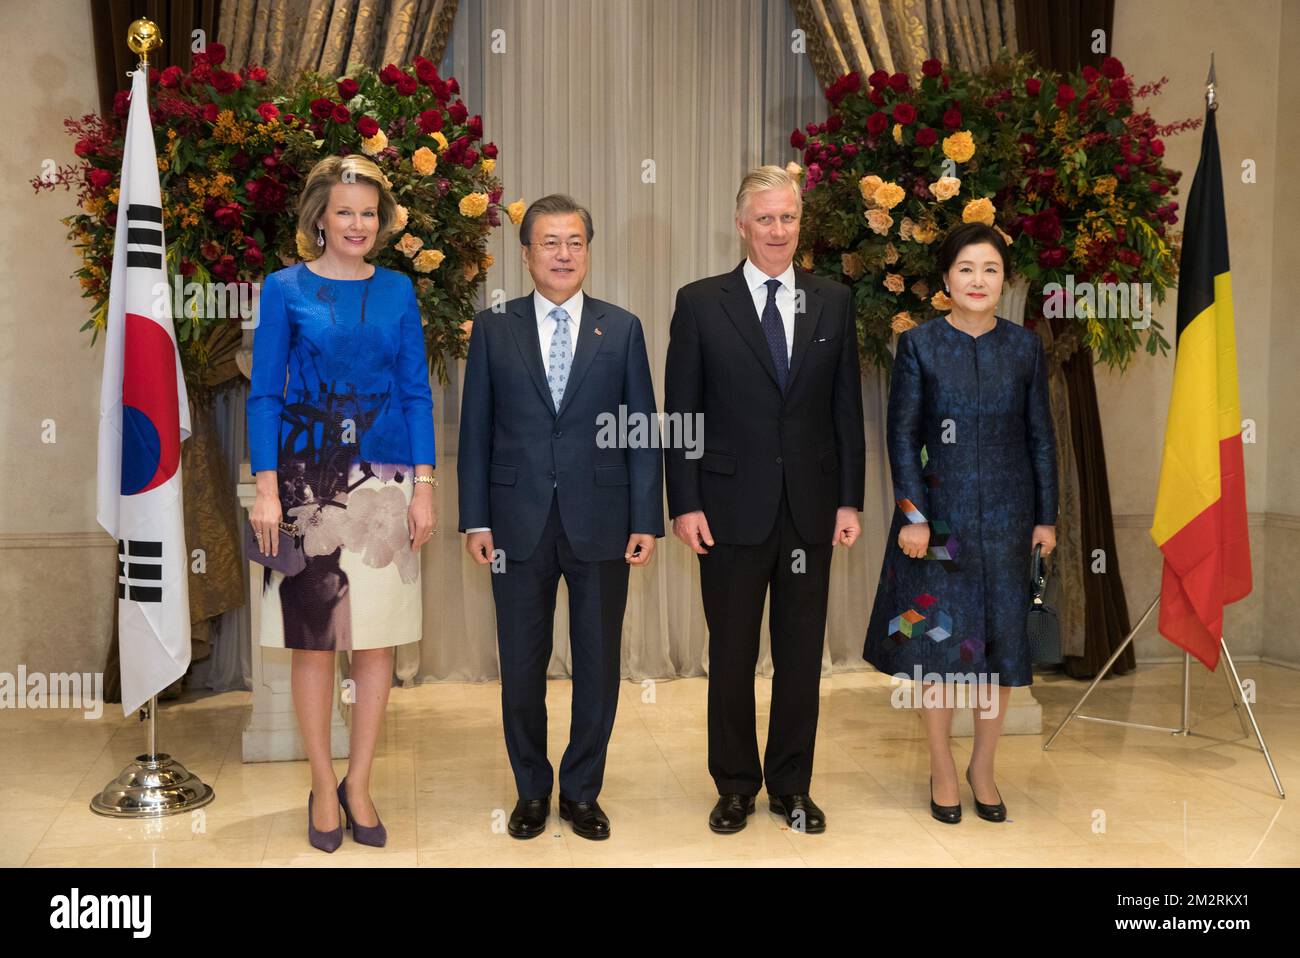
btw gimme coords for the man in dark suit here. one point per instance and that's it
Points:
(769, 356)
(545, 493)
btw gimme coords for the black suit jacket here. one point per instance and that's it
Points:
(811, 437)
(517, 450)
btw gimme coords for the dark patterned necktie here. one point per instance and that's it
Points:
(774, 330)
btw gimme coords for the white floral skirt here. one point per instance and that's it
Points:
(361, 586)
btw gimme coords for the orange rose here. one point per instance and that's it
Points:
(979, 211)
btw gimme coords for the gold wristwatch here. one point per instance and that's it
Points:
(431, 480)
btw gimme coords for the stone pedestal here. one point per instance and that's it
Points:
(271, 734)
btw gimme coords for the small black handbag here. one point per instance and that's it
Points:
(1042, 625)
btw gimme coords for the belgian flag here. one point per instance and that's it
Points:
(1200, 517)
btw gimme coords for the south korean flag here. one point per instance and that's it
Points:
(143, 419)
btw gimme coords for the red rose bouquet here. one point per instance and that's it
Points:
(1065, 168)
(233, 151)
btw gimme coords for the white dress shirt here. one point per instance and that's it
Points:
(546, 331)
(757, 281)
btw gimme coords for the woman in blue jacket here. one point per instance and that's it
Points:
(344, 449)
(973, 460)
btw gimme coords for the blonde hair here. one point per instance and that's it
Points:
(767, 178)
(315, 197)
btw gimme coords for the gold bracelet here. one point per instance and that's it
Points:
(431, 480)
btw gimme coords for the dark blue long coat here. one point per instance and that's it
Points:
(972, 451)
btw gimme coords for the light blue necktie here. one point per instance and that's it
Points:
(561, 354)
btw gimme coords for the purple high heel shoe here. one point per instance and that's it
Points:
(325, 841)
(375, 835)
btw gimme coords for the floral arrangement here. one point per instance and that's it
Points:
(1066, 169)
(233, 151)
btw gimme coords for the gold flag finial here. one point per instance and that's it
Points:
(142, 36)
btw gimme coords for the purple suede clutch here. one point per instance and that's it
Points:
(290, 558)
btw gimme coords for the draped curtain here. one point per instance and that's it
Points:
(897, 35)
(1060, 34)
(648, 112)
(289, 36)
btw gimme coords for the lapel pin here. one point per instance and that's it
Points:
(596, 330)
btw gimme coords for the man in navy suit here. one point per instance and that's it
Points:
(548, 489)
(769, 356)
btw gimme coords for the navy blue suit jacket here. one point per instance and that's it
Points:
(517, 450)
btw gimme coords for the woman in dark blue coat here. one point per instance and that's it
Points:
(973, 459)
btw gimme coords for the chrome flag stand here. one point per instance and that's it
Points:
(1184, 728)
(152, 786)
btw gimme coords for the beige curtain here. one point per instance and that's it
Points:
(648, 112)
(897, 35)
(287, 36)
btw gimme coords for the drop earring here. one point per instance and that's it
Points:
(320, 236)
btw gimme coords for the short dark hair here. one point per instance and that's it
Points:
(550, 205)
(972, 234)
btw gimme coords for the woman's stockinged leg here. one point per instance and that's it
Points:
(372, 673)
(988, 730)
(312, 683)
(937, 722)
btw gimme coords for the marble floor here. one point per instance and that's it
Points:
(1102, 796)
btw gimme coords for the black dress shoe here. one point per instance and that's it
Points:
(731, 813)
(528, 820)
(948, 814)
(588, 820)
(800, 811)
(990, 813)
